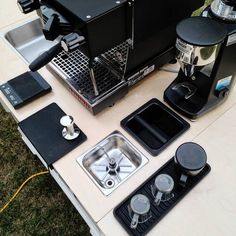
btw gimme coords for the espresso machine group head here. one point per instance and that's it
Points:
(206, 49)
(105, 47)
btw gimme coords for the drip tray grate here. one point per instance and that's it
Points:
(117, 57)
(109, 70)
(74, 66)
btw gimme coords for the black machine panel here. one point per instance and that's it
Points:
(108, 23)
(152, 16)
(102, 23)
(154, 28)
(82, 9)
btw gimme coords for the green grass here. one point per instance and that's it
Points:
(41, 208)
(207, 2)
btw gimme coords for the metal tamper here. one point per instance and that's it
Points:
(70, 131)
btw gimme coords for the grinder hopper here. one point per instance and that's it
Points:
(197, 47)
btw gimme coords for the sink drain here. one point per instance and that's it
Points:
(110, 183)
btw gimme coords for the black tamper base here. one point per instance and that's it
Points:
(44, 131)
(121, 212)
(25, 88)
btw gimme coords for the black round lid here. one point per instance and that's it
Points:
(201, 31)
(191, 156)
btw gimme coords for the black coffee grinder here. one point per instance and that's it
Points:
(206, 52)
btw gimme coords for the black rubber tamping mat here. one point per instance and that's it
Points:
(154, 126)
(121, 212)
(44, 131)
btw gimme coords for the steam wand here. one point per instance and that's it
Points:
(92, 76)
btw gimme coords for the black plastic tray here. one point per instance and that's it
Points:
(44, 131)
(155, 126)
(121, 212)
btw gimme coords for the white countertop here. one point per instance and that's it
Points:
(210, 208)
(215, 195)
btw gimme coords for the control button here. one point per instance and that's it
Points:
(222, 93)
(71, 42)
(12, 97)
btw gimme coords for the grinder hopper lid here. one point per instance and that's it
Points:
(191, 156)
(201, 31)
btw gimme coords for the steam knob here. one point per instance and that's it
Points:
(71, 42)
(70, 131)
(27, 6)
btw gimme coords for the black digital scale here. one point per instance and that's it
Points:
(25, 88)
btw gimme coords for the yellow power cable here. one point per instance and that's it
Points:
(19, 189)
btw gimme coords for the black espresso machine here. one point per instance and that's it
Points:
(104, 47)
(206, 51)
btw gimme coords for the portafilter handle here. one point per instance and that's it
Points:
(45, 57)
(68, 43)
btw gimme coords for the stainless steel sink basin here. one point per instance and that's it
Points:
(111, 162)
(28, 40)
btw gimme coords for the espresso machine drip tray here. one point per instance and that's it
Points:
(78, 76)
(109, 69)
